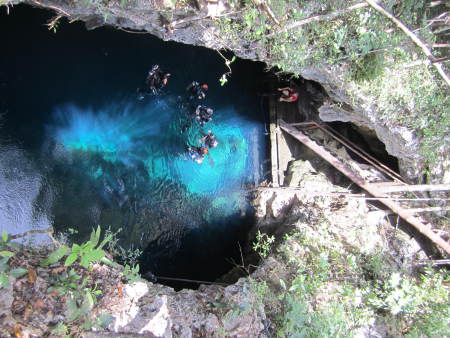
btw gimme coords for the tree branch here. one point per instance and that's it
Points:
(31, 232)
(413, 37)
(52, 7)
(316, 18)
(264, 7)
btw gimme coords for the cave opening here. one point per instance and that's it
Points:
(86, 151)
(80, 148)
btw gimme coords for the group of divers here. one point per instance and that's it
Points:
(156, 80)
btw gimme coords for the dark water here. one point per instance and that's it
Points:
(78, 149)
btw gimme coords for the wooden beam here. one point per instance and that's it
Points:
(388, 184)
(343, 168)
(417, 210)
(417, 187)
(302, 124)
(273, 142)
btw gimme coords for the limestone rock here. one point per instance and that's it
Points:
(157, 311)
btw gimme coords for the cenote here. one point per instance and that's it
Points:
(77, 149)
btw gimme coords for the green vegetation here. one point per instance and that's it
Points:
(65, 278)
(331, 291)
(376, 62)
(131, 273)
(7, 250)
(87, 253)
(128, 256)
(263, 244)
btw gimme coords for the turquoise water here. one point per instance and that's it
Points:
(150, 134)
(99, 156)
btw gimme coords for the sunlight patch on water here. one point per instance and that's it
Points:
(115, 132)
(150, 135)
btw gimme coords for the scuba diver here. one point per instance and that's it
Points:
(203, 114)
(155, 82)
(209, 140)
(197, 91)
(197, 154)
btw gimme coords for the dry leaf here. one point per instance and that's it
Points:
(18, 331)
(120, 290)
(39, 304)
(32, 275)
(59, 269)
(54, 293)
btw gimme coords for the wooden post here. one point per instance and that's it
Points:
(273, 142)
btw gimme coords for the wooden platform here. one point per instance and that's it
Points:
(286, 118)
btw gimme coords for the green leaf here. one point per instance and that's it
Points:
(84, 282)
(17, 272)
(60, 329)
(84, 262)
(6, 253)
(87, 324)
(105, 240)
(93, 256)
(109, 262)
(136, 269)
(71, 259)
(87, 305)
(104, 320)
(95, 236)
(223, 80)
(283, 284)
(55, 256)
(4, 280)
(88, 246)
(5, 236)
(294, 287)
(76, 248)
(4, 263)
(72, 309)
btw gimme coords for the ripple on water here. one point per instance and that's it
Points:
(23, 201)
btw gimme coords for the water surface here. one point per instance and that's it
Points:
(77, 149)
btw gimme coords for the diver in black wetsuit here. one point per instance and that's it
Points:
(197, 154)
(155, 81)
(197, 91)
(203, 114)
(209, 140)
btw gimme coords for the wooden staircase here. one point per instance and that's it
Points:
(379, 190)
